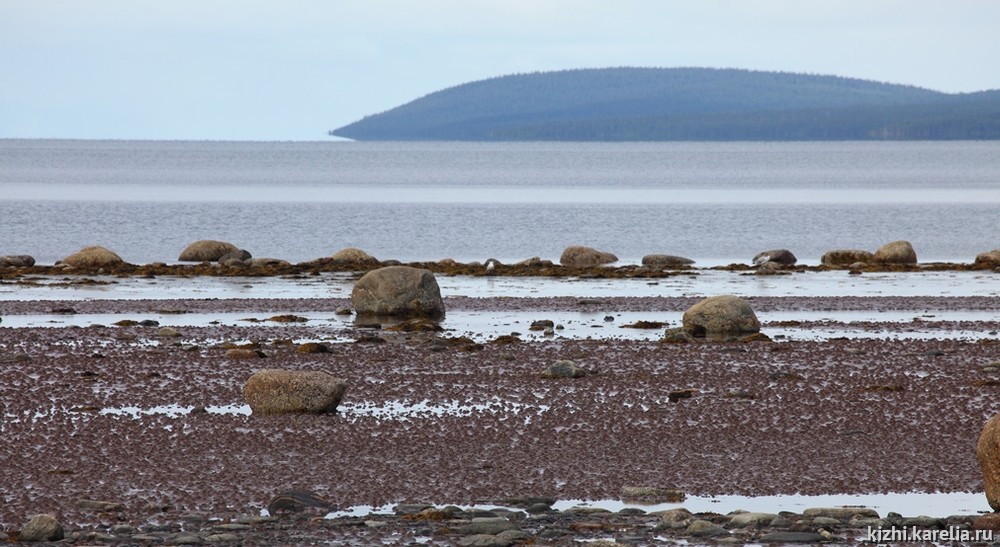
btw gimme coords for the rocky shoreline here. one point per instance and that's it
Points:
(432, 419)
(536, 523)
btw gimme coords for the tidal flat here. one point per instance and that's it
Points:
(123, 389)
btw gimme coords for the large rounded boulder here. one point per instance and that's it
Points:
(206, 250)
(578, 256)
(845, 257)
(93, 257)
(720, 316)
(991, 258)
(988, 454)
(783, 257)
(17, 261)
(666, 261)
(277, 391)
(354, 257)
(398, 291)
(42, 527)
(897, 252)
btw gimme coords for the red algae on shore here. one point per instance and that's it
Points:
(482, 426)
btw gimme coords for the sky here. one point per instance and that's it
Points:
(294, 69)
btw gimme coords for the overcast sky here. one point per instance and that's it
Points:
(293, 69)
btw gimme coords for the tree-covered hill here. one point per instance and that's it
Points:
(653, 104)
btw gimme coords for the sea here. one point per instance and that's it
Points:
(716, 203)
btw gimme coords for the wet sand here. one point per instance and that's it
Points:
(473, 423)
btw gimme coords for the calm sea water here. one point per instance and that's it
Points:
(713, 202)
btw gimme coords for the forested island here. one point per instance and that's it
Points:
(670, 104)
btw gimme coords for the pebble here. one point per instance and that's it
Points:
(704, 528)
(484, 540)
(486, 525)
(752, 519)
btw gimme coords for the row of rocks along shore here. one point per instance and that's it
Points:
(523, 521)
(892, 256)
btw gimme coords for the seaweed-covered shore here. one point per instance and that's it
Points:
(152, 422)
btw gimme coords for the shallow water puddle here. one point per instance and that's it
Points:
(389, 410)
(908, 504)
(486, 325)
(694, 283)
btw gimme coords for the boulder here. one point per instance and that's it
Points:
(897, 252)
(354, 257)
(743, 520)
(564, 369)
(17, 261)
(780, 256)
(666, 261)
(988, 454)
(704, 528)
(840, 513)
(93, 257)
(277, 391)
(991, 258)
(720, 315)
(399, 291)
(771, 268)
(845, 257)
(534, 262)
(239, 255)
(676, 336)
(206, 250)
(267, 262)
(585, 257)
(42, 527)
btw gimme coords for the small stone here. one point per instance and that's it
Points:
(410, 508)
(538, 508)
(486, 525)
(924, 521)
(185, 538)
(652, 494)
(43, 527)
(484, 540)
(100, 506)
(704, 528)
(541, 324)
(678, 394)
(564, 369)
(513, 535)
(168, 332)
(792, 537)
(676, 518)
(840, 513)
(989, 521)
(288, 318)
(227, 537)
(752, 519)
(312, 347)
(232, 527)
(579, 510)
